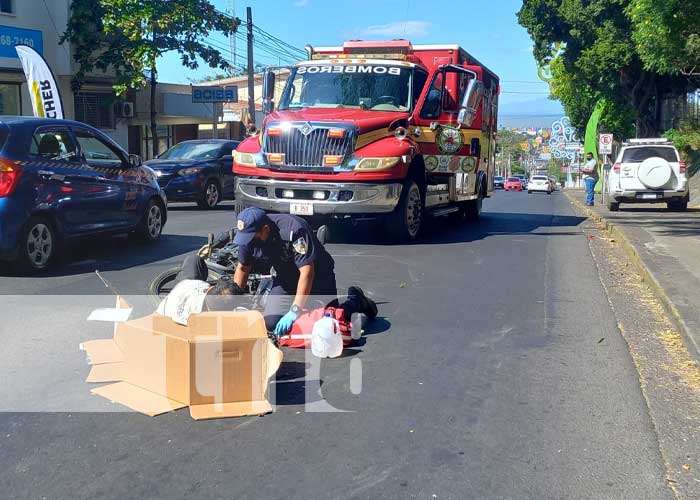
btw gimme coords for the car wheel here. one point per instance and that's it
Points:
(211, 196)
(613, 206)
(39, 244)
(404, 223)
(151, 225)
(677, 206)
(529, 192)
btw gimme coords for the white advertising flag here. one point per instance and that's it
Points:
(44, 92)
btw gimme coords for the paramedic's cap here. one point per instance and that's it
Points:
(250, 221)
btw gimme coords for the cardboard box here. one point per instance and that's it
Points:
(219, 365)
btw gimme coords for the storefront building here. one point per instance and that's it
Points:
(41, 25)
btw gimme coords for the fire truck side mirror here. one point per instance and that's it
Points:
(268, 91)
(470, 102)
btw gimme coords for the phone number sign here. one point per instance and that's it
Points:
(215, 94)
(11, 37)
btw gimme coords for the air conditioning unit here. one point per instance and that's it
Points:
(126, 109)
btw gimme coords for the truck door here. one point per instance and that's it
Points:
(446, 146)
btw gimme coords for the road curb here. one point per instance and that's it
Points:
(689, 338)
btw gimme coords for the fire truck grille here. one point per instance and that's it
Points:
(307, 150)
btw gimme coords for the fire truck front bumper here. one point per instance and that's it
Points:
(322, 198)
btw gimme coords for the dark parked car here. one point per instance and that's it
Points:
(499, 182)
(61, 179)
(200, 171)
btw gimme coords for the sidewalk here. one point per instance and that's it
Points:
(665, 246)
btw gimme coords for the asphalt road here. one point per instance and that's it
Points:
(484, 378)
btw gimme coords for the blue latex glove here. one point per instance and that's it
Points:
(285, 324)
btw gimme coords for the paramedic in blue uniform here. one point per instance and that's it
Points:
(304, 268)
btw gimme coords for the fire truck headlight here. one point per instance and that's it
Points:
(377, 163)
(244, 159)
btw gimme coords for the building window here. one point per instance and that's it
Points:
(95, 108)
(6, 6)
(10, 101)
(165, 140)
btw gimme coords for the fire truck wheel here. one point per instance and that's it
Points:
(472, 209)
(404, 223)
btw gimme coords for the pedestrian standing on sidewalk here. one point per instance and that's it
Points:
(590, 178)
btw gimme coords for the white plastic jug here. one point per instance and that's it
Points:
(326, 340)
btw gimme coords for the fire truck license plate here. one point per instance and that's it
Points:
(301, 208)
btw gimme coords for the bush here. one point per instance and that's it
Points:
(686, 138)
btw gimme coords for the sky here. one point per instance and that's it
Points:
(488, 30)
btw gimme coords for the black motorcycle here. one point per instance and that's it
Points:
(221, 258)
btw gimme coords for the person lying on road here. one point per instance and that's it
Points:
(193, 294)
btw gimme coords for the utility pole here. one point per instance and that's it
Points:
(251, 70)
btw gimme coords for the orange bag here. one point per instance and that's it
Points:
(300, 334)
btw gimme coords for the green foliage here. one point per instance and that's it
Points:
(517, 168)
(596, 60)
(686, 138)
(508, 143)
(126, 37)
(554, 169)
(667, 34)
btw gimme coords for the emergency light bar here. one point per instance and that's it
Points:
(392, 57)
(647, 141)
(392, 49)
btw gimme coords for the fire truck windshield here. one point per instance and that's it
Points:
(363, 86)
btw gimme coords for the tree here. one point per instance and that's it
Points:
(209, 78)
(667, 35)
(597, 60)
(508, 145)
(126, 38)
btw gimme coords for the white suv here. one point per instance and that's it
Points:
(648, 171)
(540, 183)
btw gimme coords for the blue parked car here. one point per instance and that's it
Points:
(61, 179)
(200, 171)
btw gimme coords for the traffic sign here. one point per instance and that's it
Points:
(605, 142)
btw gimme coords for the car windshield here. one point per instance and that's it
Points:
(192, 151)
(638, 155)
(373, 87)
(537, 178)
(498, 178)
(514, 179)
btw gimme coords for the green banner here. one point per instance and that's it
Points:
(590, 144)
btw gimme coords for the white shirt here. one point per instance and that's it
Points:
(186, 298)
(591, 166)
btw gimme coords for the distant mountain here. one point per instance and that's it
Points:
(536, 113)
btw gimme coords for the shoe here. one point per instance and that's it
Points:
(362, 302)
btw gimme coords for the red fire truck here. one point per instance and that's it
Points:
(373, 130)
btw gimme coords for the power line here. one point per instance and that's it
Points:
(525, 81)
(273, 43)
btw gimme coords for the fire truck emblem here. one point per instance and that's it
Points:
(306, 129)
(449, 140)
